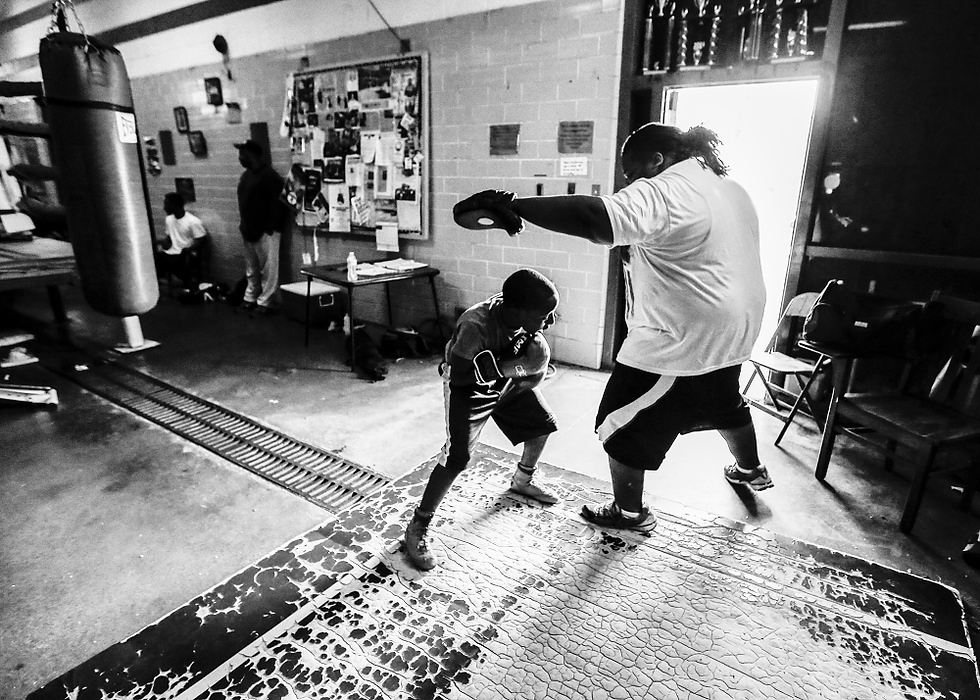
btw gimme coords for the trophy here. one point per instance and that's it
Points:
(703, 35)
(744, 20)
(752, 20)
(683, 36)
(659, 30)
(699, 42)
(714, 35)
(757, 11)
(647, 39)
(777, 31)
(798, 35)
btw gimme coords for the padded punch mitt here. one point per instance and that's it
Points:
(488, 209)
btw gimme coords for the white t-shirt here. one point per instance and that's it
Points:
(694, 289)
(183, 232)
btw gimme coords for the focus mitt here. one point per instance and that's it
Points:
(488, 209)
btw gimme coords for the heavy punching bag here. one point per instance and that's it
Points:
(96, 150)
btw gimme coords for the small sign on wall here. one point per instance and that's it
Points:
(198, 144)
(167, 147)
(576, 166)
(575, 137)
(212, 88)
(234, 115)
(185, 188)
(504, 139)
(180, 118)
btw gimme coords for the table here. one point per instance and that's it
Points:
(337, 274)
(39, 262)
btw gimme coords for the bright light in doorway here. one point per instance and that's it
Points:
(765, 130)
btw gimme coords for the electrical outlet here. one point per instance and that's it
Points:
(571, 188)
(540, 189)
(307, 259)
(596, 190)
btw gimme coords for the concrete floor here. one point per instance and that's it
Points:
(108, 522)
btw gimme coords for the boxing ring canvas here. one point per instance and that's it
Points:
(532, 602)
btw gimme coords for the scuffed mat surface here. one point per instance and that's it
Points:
(531, 602)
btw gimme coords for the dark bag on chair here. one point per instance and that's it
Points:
(864, 323)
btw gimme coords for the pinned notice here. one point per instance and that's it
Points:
(408, 208)
(339, 208)
(386, 237)
(577, 166)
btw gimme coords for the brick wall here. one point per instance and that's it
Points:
(534, 64)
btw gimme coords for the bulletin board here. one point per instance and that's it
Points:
(360, 148)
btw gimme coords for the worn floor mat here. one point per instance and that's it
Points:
(532, 602)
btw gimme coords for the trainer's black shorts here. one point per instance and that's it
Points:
(641, 414)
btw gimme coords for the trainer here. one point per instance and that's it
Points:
(689, 240)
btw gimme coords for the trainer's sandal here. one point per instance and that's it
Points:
(611, 517)
(757, 479)
(534, 492)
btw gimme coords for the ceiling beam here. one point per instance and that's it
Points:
(9, 24)
(191, 14)
(174, 19)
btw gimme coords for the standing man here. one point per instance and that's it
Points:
(261, 222)
(689, 239)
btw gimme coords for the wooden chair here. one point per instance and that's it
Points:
(769, 365)
(935, 407)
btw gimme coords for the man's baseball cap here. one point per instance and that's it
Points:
(250, 145)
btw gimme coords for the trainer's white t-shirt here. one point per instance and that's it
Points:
(183, 232)
(694, 289)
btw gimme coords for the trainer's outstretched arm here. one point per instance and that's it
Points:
(578, 215)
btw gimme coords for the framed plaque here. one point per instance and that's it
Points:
(212, 87)
(185, 187)
(180, 118)
(197, 143)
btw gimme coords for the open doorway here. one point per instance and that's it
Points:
(765, 130)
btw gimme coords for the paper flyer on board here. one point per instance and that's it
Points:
(339, 208)
(386, 237)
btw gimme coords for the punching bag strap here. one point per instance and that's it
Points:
(59, 17)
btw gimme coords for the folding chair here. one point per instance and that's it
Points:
(770, 364)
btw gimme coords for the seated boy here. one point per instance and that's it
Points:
(494, 362)
(185, 232)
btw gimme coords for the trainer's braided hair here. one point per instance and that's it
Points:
(697, 142)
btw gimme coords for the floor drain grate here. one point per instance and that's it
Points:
(317, 475)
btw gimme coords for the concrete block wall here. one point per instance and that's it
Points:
(534, 64)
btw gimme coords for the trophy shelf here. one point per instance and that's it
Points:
(781, 69)
(918, 260)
